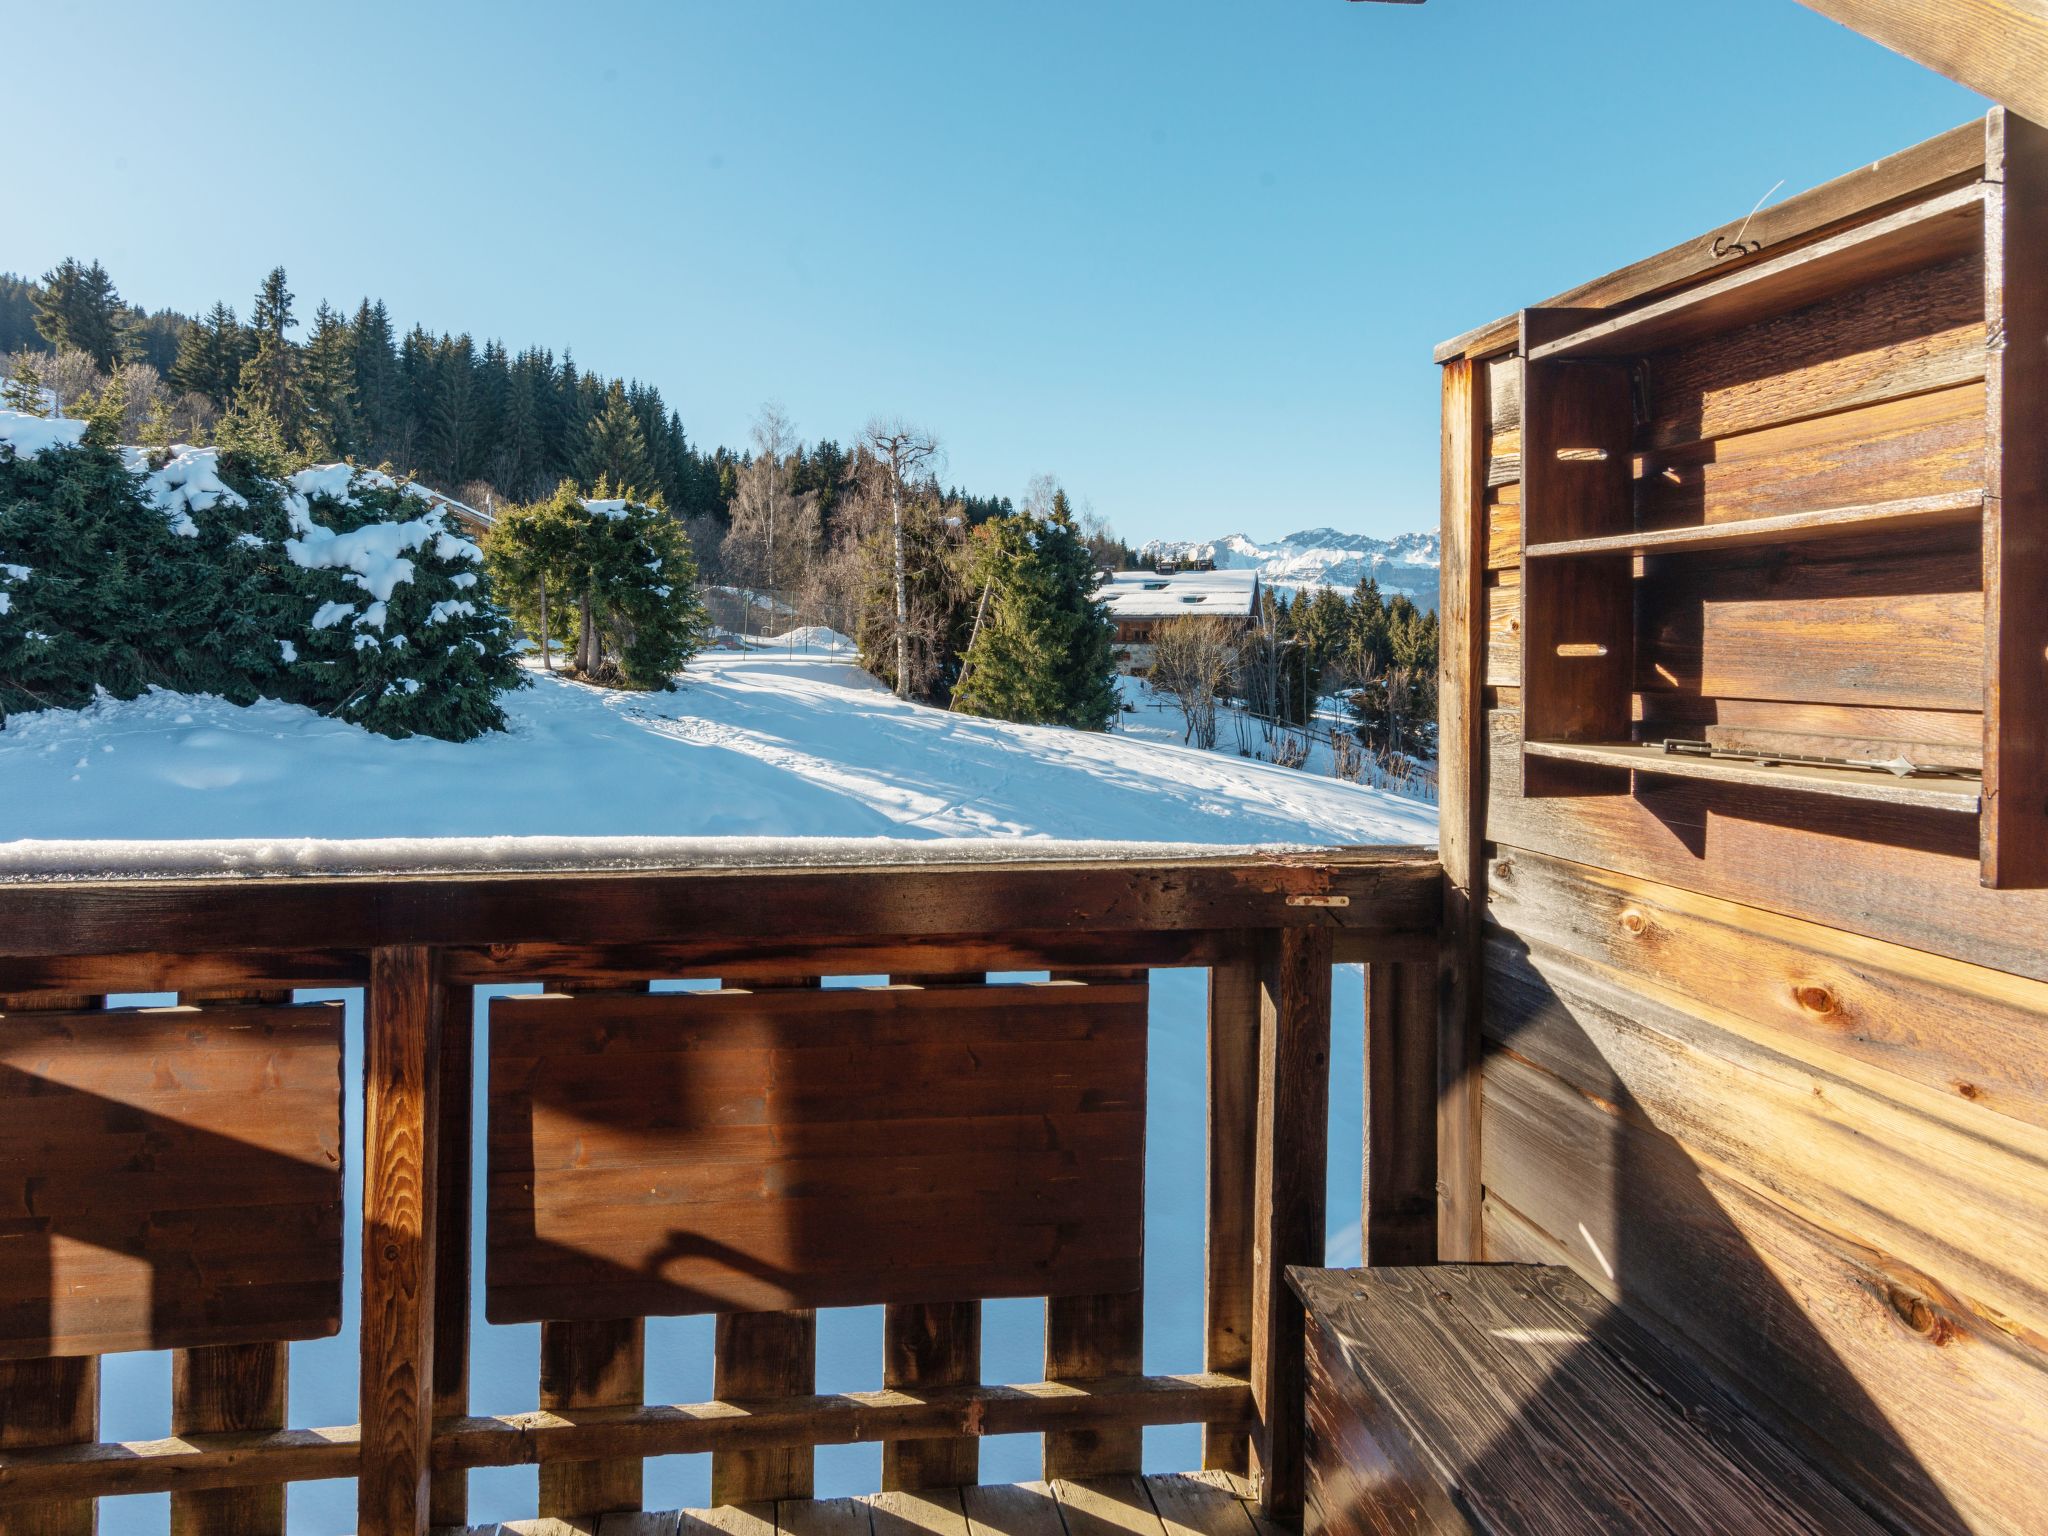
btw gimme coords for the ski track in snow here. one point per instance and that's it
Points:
(753, 744)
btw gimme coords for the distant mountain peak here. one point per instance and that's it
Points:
(1322, 557)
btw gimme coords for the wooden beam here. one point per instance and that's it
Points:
(1398, 1210)
(2014, 822)
(74, 1472)
(1462, 799)
(402, 1102)
(1290, 1199)
(1997, 48)
(1363, 891)
(228, 1387)
(1233, 1160)
(1947, 161)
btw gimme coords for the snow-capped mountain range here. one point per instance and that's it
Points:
(1406, 563)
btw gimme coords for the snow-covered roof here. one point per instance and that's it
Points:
(1184, 594)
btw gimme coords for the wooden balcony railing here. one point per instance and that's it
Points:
(171, 1179)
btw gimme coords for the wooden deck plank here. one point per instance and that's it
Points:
(822, 1517)
(905, 1512)
(1197, 1506)
(1107, 1506)
(1012, 1509)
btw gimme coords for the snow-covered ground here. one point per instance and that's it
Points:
(759, 743)
(1322, 557)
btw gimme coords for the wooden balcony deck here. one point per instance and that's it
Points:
(1179, 1504)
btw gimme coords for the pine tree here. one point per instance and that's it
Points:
(1043, 653)
(24, 391)
(332, 427)
(374, 359)
(210, 357)
(272, 315)
(615, 448)
(78, 308)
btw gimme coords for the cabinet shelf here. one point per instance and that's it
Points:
(1939, 792)
(1938, 230)
(1900, 516)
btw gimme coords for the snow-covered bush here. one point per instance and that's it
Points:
(188, 570)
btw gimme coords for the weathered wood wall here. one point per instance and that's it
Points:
(1772, 1067)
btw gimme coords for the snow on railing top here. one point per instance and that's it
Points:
(40, 860)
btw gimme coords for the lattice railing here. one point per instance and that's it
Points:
(172, 1179)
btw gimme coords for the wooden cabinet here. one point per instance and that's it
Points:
(1796, 516)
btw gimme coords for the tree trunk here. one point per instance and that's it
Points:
(902, 588)
(545, 664)
(586, 639)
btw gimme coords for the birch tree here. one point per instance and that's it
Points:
(903, 451)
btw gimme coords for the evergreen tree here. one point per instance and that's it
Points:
(332, 427)
(210, 357)
(615, 447)
(532, 554)
(24, 392)
(273, 378)
(374, 359)
(78, 308)
(1042, 652)
(452, 424)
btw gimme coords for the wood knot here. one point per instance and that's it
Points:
(1918, 1314)
(1814, 998)
(1635, 923)
(1970, 1091)
(1503, 868)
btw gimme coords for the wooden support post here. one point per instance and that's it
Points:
(401, 1139)
(765, 1354)
(2015, 817)
(1289, 1202)
(449, 1502)
(1398, 1211)
(1233, 1157)
(1087, 1336)
(592, 1365)
(932, 1345)
(49, 1402)
(229, 1387)
(1461, 815)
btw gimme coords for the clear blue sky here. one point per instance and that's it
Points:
(1189, 255)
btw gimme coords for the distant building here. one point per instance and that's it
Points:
(1140, 601)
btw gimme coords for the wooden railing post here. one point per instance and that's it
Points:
(1289, 1204)
(1461, 812)
(449, 1503)
(53, 1401)
(229, 1387)
(765, 1354)
(1397, 1222)
(596, 1364)
(1088, 1336)
(1233, 1157)
(936, 1344)
(401, 1141)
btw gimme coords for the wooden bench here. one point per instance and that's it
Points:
(1514, 1398)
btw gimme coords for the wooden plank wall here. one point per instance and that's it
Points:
(1772, 1071)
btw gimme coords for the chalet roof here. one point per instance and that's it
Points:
(1184, 594)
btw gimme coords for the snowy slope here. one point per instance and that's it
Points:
(1406, 563)
(755, 744)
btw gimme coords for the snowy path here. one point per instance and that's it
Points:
(759, 744)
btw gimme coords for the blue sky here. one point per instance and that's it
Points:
(1189, 255)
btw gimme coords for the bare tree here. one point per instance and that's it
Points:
(1192, 662)
(903, 451)
(775, 530)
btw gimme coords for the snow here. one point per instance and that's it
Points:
(327, 615)
(286, 650)
(757, 744)
(813, 637)
(188, 482)
(30, 435)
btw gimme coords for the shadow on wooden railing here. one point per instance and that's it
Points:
(171, 1179)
